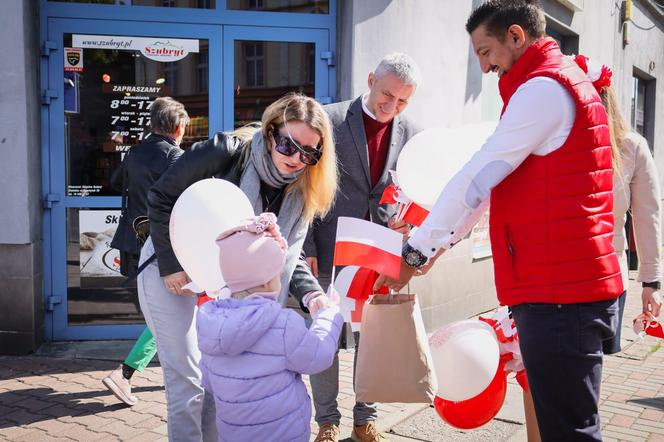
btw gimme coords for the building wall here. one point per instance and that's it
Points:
(21, 274)
(454, 92)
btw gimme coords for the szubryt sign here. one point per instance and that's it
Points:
(155, 48)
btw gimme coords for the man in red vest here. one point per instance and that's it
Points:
(547, 172)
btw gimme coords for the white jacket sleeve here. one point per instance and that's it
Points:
(538, 120)
(646, 213)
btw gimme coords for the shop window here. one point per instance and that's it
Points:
(108, 93)
(253, 60)
(202, 72)
(170, 75)
(642, 115)
(567, 40)
(302, 6)
(291, 69)
(107, 98)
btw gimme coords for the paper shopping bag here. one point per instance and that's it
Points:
(394, 362)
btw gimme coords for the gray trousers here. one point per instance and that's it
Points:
(172, 320)
(325, 388)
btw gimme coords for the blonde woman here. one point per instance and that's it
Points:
(287, 166)
(635, 190)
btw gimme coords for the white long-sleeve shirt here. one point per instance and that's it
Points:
(537, 120)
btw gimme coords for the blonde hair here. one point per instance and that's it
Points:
(618, 128)
(318, 183)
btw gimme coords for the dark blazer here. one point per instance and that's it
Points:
(144, 164)
(222, 156)
(355, 197)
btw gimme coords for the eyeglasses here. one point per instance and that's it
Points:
(286, 145)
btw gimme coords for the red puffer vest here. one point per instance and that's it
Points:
(551, 220)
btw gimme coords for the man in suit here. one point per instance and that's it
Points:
(369, 135)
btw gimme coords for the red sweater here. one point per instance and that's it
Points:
(551, 220)
(378, 143)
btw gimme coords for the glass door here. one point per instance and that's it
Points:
(262, 64)
(102, 78)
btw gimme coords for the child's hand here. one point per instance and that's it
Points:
(321, 302)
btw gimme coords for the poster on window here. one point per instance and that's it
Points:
(481, 243)
(97, 228)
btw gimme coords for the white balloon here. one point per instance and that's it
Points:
(432, 157)
(465, 356)
(203, 211)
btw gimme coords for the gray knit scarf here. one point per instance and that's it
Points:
(260, 167)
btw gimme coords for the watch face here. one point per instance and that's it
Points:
(413, 259)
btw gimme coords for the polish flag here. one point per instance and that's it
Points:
(407, 210)
(415, 214)
(354, 285)
(366, 244)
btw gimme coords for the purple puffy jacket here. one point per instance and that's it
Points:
(253, 352)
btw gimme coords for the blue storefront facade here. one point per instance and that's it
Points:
(79, 76)
(102, 64)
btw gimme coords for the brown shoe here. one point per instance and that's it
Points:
(367, 433)
(328, 433)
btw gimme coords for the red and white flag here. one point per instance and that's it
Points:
(369, 245)
(354, 285)
(407, 210)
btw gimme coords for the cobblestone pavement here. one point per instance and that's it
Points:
(62, 398)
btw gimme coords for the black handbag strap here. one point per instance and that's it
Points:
(142, 267)
(125, 183)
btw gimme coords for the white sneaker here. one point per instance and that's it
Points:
(120, 387)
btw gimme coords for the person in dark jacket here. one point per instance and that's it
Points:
(142, 166)
(287, 167)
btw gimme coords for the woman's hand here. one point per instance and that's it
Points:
(313, 265)
(652, 302)
(175, 281)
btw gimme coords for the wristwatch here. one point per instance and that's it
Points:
(412, 256)
(653, 285)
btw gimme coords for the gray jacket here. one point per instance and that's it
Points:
(355, 197)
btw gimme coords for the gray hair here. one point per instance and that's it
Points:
(401, 65)
(166, 115)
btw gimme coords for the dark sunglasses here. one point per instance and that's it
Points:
(285, 145)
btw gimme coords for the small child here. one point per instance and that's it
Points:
(253, 350)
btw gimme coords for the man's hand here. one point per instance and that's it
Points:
(398, 226)
(652, 302)
(175, 281)
(313, 264)
(406, 273)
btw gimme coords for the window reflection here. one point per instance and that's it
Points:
(265, 71)
(303, 6)
(107, 98)
(95, 291)
(638, 113)
(196, 4)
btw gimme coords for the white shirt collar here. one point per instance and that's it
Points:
(366, 110)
